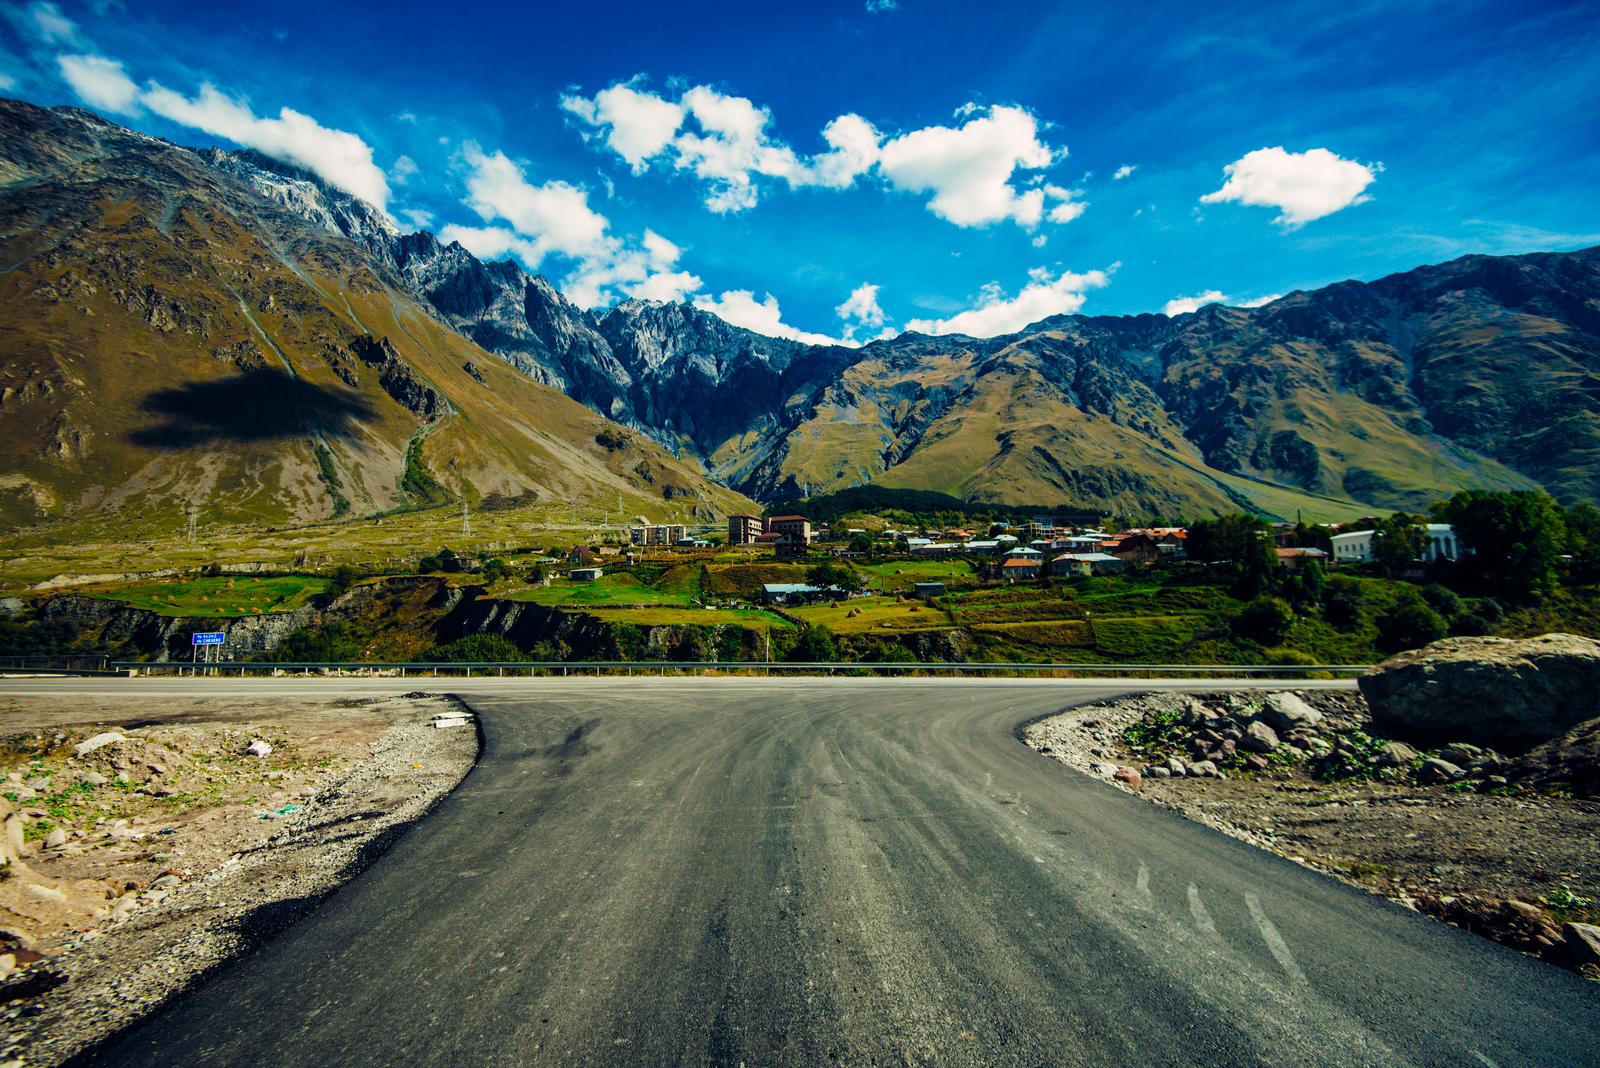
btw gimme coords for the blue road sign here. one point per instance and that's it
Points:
(210, 638)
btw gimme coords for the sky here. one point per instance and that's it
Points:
(854, 169)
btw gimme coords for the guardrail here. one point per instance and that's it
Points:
(510, 668)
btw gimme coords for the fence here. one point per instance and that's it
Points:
(623, 668)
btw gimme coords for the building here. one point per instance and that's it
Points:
(1137, 548)
(1085, 564)
(585, 574)
(984, 546)
(1296, 558)
(790, 545)
(743, 529)
(790, 524)
(797, 593)
(1023, 553)
(928, 589)
(662, 534)
(1020, 570)
(1441, 543)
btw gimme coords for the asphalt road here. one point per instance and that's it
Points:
(841, 872)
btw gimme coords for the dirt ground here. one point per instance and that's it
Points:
(133, 868)
(1511, 864)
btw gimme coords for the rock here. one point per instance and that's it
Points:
(55, 839)
(1225, 750)
(1582, 941)
(1460, 753)
(1203, 769)
(1105, 771)
(1259, 738)
(1256, 762)
(1394, 755)
(45, 893)
(1487, 691)
(259, 748)
(1129, 776)
(1285, 712)
(1434, 771)
(94, 778)
(166, 881)
(99, 741)
(1175, 766)
(1160, 773)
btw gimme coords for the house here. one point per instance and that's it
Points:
(743, 529)
(1086, 564)
(585, 574)
(796, 593)
(580, 554)
(1018, 570)
(1137, 548)
(1019, 552)
(928, 589)
(790, 545)
(984, 546)
(790, 524)
(1294, 559)
(1352, 548)
(1440, 543)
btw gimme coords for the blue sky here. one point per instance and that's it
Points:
(848, 169)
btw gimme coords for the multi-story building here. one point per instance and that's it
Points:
(660, 534)
(745, 529)
(797, 525)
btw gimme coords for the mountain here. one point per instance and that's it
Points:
(205, 324)
(199, 326)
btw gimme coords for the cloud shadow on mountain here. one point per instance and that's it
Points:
(262, 405)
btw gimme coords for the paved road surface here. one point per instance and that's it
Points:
(842, 872)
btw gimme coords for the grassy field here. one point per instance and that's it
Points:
(900, 575)
(879, 615)
(748, 618)
(239, 595)
(613, 589)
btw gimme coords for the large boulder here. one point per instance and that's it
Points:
(1499, 692)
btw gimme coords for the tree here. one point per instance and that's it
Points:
(861, 543)
(1341, 602)
(1267, 620)
(344, 576)
(833, 577)
(814, 647)
(1242, 540)
(1516, 538)
(1398, 542)
(1410, 626)
(496, 569)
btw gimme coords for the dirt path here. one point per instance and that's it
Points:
(137, 866)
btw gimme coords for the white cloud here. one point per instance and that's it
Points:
(1260, 301)
(1185, 305)
(101, 83)
(641, 124)
(876, 6)
(555, 219)
(1043, 297)
(862, 307)
(1123, 171)
(969, 169)
(1305, 186)
(403, 168)
(417, 218)
(7, 82)
(46, 23)
(725, 141)
(340, 158)
(739, 307)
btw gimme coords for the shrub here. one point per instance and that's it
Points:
(474, 648)
(1267, 620)
(1341, 604)
(1441, 599)
(1410, 626)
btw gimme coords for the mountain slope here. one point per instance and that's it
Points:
(175, 330)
